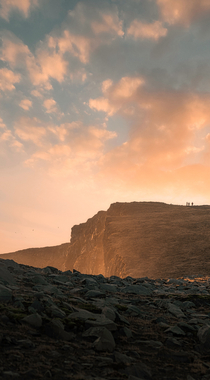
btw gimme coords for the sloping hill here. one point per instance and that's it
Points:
(41, 257)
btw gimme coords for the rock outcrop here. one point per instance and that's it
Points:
(135, 239)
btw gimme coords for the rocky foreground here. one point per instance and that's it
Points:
(65, 325)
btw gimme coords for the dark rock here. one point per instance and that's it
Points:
(5, 294)
(139, 370)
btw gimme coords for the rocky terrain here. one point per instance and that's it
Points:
(69, 325)
(133, 239)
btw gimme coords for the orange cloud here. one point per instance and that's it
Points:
(116, 94)
(183, 12)
(79, 46)
(13, 50)
(8, 140)
(142, 30)
(41, 67)
(26, 104)
(126, 87)
(2, 125)
(102, 104)
(7, 79)
(50, 105)
(88, 27)
(36, 93)
(78, 147)
(30, 130)
(109, 23)
(6, 135)
(166, 135)
(52, 65)
(23, 6)
(106, 85)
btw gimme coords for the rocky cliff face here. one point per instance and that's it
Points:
(87, 249)
(144, 239)
(133, 239)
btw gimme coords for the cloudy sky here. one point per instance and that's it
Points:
(100, 101)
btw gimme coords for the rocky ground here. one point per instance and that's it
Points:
(65, 325)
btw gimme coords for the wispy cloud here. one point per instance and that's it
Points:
(78, 45)
(50, 105)
(153, 31)
(183, 12)
(7, 79)
(26, 104)
(28, 129)
(40, 68)
(2, 125)
(167, 130)
(108, 23)
(116, 94)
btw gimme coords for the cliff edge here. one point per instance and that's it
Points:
(135, 239)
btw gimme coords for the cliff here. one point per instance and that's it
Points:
(133, 239)
(144, 239)
(87, 247)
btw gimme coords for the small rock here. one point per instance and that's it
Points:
(26, 343)
(109, 313)
(94, 294)
(139, 370)
(108, 288)
(6, 277)
(175, 330)
(105, 341)
(10, 374)
(34, 320)
(172, 343)
(204, 336)
(55, 329)
(175, 310)
(121, 358)
(127, 332)
(5, 294)
(137, 289)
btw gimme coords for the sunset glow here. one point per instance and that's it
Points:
(100, 101)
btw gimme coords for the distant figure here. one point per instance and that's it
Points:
(187, 203)
(192, 204)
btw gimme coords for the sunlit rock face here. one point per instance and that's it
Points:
(135, 239)
(87, 247)
(144, 239)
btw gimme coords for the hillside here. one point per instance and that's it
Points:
(133, 239)
(41, 257)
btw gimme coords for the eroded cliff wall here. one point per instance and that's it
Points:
(144, 239)
(86, 252)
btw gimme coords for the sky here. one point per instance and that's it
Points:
(101, 101)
